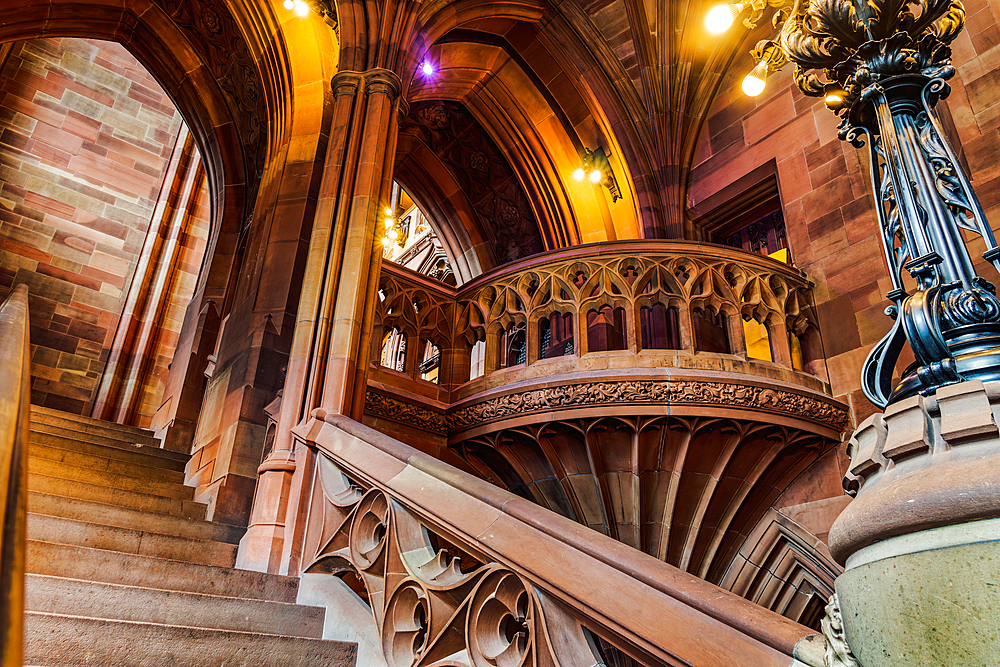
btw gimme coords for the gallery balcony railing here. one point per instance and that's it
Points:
(599, 311)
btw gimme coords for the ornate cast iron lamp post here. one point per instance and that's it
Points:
(884, 68)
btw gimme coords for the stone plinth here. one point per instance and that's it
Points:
(921, 541)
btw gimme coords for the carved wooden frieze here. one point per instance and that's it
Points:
(667, 392)
(672, 392)
(386, 407)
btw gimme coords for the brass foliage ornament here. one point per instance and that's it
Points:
(858, 44)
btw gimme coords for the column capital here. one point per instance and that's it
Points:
(383, 81)
(346, 83)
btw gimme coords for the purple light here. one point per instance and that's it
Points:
(427, 68)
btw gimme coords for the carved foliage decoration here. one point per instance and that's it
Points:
(689, 392)
(505, 216)
(213, 29)
(860, 44)
(435, 603)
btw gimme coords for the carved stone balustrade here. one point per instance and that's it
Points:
(692, 287)
(677, 452)
(454, 571)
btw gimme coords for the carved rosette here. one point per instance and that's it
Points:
(430, 606)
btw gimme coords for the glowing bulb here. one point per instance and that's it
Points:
(427, 68)
(753, 83)
(301, 8)
(392, 234)
(289, 4)
(385, 240)
(720, 17)
(596, 176)
(833, 98)
(579, 174)
(388, 222)
(388, 211)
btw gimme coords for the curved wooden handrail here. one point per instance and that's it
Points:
(15, 406)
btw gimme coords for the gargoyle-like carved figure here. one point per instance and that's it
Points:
(435, 603)
(838, 653)
(885, 67)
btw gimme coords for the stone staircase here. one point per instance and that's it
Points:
(123, 569)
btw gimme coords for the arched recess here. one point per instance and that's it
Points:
(197, 53)
(553, 71)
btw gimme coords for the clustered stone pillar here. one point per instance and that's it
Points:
(330, 351)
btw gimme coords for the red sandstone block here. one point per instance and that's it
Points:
(69, 276)
(52, 135)
(50, 155)
(86, 128)
(24, 250)
(49, 205)
(103, 276)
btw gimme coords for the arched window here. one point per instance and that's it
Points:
(394, 350)
(659, 329)
(710, 333)
(757, 340)
(513, 348)
(431, 365)
(606, 329)
(555, 335)
(477, 359)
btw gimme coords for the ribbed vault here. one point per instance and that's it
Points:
(686, 490)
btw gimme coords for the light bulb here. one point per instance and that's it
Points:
(388, 211)
(427, 68)
(289, 4)
(301, 8)
(385, 240)
(753, 83)
(720, 17)
(392, 234)
(579, 174)
(596, 176)
(389, 222)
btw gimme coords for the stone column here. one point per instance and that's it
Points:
(332, 340)
(921, 540)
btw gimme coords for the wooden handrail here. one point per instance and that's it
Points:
(15, 406)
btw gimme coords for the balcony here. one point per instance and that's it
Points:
(662, 393)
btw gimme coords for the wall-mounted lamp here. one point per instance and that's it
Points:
(391, 233)
(596, 168)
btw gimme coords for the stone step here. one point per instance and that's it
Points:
(135, 500)
(85, 424)
(90, 444)
(123, 517)
(108, 438)
(39, 466)
(44, 528)
(59, 595)
(66, 452)
(112, 567)
(56, 640)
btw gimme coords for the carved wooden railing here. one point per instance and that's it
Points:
(459, 572)
(14, 415)
(625, 276)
